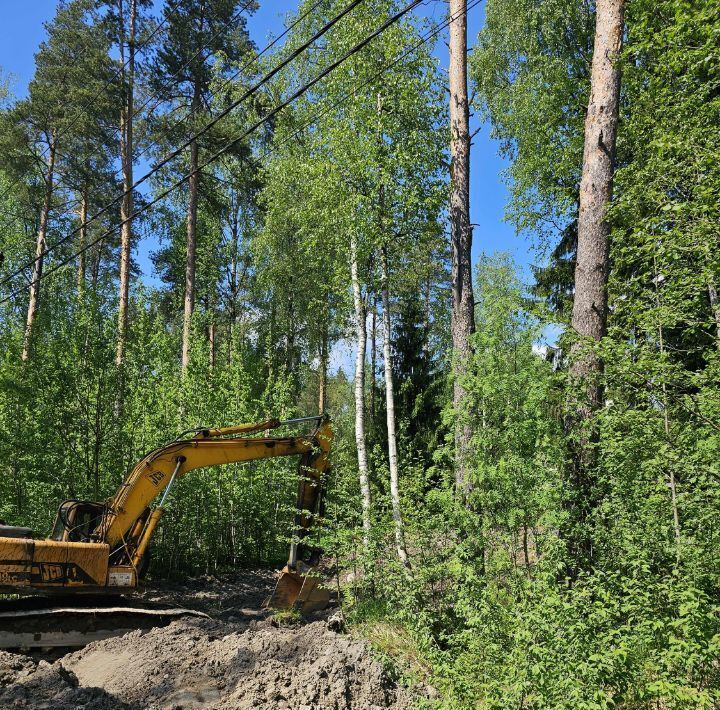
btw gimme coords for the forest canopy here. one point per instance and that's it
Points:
(516, 522)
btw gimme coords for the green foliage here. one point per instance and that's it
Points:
(511, 404)
(485, 611)
(531, 67)
(641, 629)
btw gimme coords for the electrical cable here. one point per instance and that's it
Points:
(276, 110)
(423, 40)
(59, 178)
(300, 18)
(107, 84)
(177, 151)
(245, 66)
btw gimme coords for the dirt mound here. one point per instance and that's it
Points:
(236, 659)
(190, 664)
(24, 685)
(13, 668)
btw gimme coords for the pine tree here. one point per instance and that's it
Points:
(127, 24)
(61, 119)
(463, 318)
(590, 310)
(198, 33)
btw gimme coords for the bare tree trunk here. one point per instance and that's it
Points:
(39, 254)
(463, 306)
(373, 360)
(193, 189)
(360, 322)
(211, 342)
(191, 251)
(126, 160)
(715, 306)
(233, 275)
(390, 410)
(82, 216)
(95, 266)
(322, 395)
(672, 483)
(589, 315)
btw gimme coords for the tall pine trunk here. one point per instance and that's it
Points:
(193, 190)
(589, 314)
(360, 324)
(82, 216)
(126, 160)
(40, 244)
(190, 254)
(463, 317)
(234, 285)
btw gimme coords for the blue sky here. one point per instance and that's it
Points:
(22, 31)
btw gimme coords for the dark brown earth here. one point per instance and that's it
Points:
(238, 658)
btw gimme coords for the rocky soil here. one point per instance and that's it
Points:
(238, 658)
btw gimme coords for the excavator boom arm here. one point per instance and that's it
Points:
(151, 476)
(101, 547)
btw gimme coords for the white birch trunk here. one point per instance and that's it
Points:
(390, 408)
(360, 318)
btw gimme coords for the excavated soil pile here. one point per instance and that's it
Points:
(236, 659)
(25, 685)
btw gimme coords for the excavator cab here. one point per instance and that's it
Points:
(77, 521)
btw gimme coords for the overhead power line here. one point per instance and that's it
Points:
(155, 95)
(280, 107)
(177, 151)
(424, 39)
(298, 20)
(86, 106)
(230, 79)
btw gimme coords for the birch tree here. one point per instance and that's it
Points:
(379, 133)
(359, 389)
(390, 411)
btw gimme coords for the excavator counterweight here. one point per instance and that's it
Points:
(101, 548)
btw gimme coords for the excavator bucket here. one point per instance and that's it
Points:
(298, 589)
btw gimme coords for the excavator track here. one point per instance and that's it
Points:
(71, 622)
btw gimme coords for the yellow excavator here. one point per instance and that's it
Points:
(101, 548)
